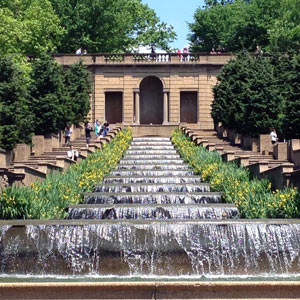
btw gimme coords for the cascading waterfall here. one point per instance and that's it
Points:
(154, 212)
(151, 217)
(153, 248)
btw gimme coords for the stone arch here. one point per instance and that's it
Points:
(151, 100)
(139, 81)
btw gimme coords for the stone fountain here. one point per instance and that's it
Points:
(151, 218)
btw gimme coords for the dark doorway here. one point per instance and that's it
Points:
(113, 107)
(188, 107)
(151, 101)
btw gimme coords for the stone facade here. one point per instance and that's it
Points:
(186, 87)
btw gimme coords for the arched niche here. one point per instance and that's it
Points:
(151, 101)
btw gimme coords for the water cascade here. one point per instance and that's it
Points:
(151, 217)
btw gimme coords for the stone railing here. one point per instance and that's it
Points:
(144, 58)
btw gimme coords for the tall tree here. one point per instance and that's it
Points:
(16, 120)
(50, 102)
(78, 87)
(110, 26)
(291, 121)
(248, 96)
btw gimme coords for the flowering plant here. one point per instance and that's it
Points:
(48, 199)
(253, 197)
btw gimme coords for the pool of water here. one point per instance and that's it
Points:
(96, 278)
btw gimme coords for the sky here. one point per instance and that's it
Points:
(176, 13)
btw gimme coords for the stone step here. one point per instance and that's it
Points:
(205, 133)
(151, 161)
(151, 156)
(150, 152)
(151, 147)
(153, 188)
(152, 198)
(169, 172)
(152, 179)
(152, 167)
(149, 143)
(153, 211)
(151, 139)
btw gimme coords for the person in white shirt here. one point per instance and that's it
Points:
(68, 132)
(79, 51)
(72, 153)
(273, 135)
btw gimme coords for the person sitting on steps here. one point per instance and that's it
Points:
(72, 153)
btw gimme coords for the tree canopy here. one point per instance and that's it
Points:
(28, 27)
(258, 92)
(49, 100)
(239, 24)
(78, 88)
(110, 26)
(16, 119)
(47, 26)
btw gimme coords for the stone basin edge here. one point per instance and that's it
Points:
(22, 223)
(152, 290)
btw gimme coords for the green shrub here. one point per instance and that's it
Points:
(248, 95)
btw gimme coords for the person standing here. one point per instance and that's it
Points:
(99, 131)
(273, 135)
(96, 126)
(68, 133)
(179, 54)
(105, 128)
(186, 54)
(88, 129)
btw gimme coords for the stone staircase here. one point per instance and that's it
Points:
(24, 172)
(260, 164)
(152, 182)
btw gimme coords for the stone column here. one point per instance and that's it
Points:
(166, 109)
(137, 108)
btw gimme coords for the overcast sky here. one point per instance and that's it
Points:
(176, 13)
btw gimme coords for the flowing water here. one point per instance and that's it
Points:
(151, 218)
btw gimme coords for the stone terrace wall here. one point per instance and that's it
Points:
(124, 73)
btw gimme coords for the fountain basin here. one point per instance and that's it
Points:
(150, 248)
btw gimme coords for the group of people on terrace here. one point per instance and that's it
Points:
(100, 129)
(80, 51)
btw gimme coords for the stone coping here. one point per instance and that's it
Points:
(153, 125)
(152, 184)
(129, 205)
(84, 222)
(153, 193)
(152, 290)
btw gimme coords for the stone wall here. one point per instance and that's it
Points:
(174, 81)
(122, 73)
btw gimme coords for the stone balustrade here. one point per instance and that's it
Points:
(144, 58)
